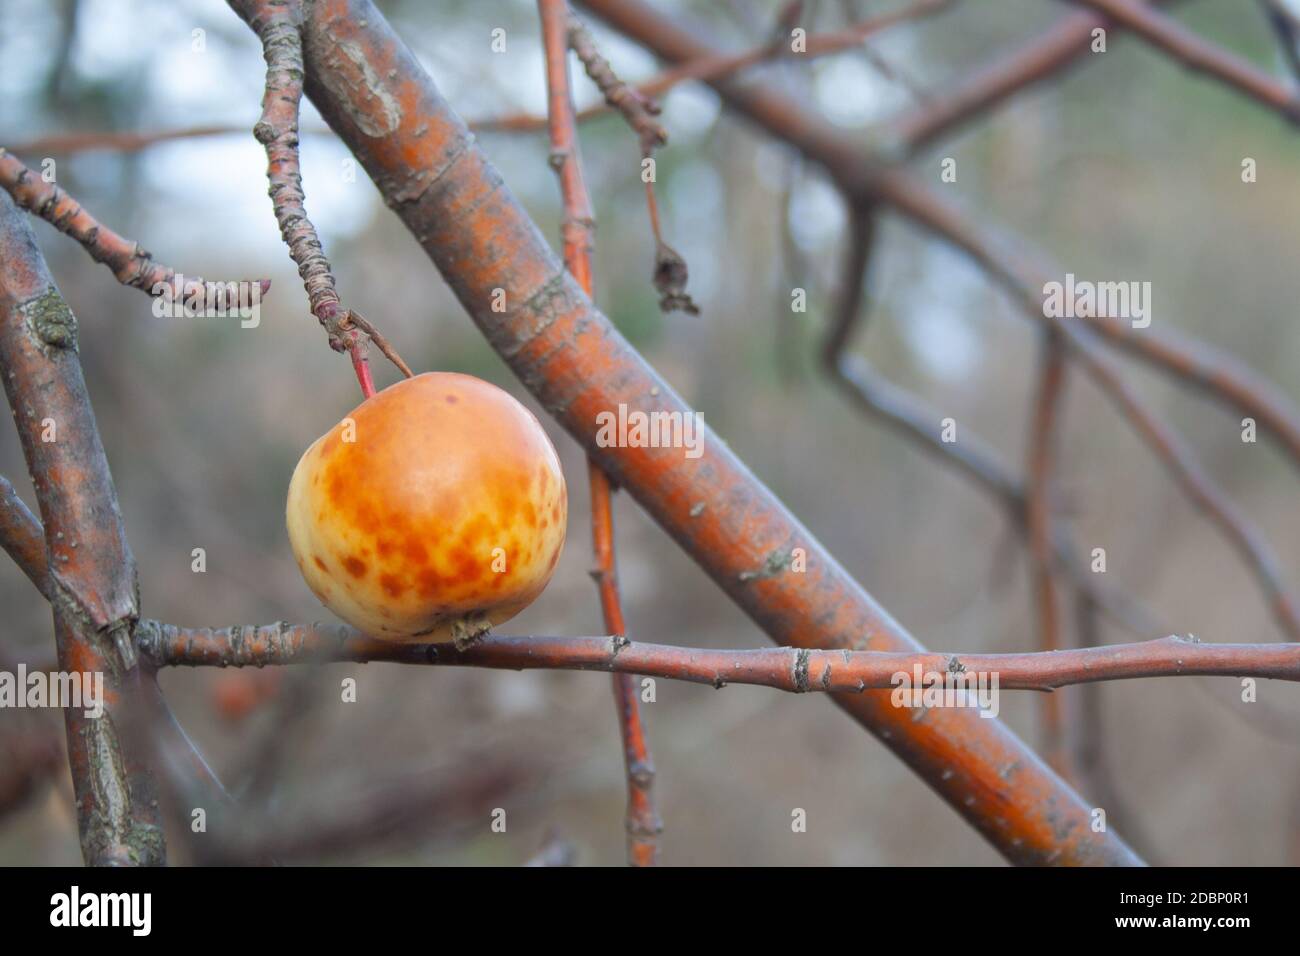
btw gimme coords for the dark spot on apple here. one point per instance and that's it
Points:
(354, 566)
(467, 568)
(451, 399)
(393, 587)
(414, 551)
(319, 563)
(427, 582)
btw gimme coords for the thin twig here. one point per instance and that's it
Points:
(1286, 25)
(356, 318)
(277, 24)
(558, 30)
(792, 669)
(1197, 53)
(1038, 501)
(670, 274)
(555, 851)
(973, 457)
(117, 141)
(1006, 73)
(130, 263)
(1201, 490)
(638, 110)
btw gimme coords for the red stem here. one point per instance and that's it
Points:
(361, 365)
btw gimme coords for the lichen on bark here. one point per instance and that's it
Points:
(50, 319)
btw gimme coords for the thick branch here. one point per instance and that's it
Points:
(92, 575)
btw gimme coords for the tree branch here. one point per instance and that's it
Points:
(558, 31)
(1038, 512)
(130, 263)
(1005, 74)
(1200, 55)
(793, 669)
(92, 574)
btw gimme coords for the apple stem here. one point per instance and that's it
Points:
(361, 365)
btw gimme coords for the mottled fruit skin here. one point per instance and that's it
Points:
(448, 510)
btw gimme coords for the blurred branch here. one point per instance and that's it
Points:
(124, 142)
(1200, 55)
(863, 178)
(22, 536)
(1005, 74)
(1038, 511)
(1201, 490)
(670, 273)
(1087, 732)
(972, 457)
(1286, 25)
(797, 670)
(559, 31)
(396, 813)
(714, 67)
(30, 752)
(555, 851)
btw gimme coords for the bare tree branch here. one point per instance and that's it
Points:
(793, 669)
(559, 30)
(1198, 54)
(130, 263)
(92, 575)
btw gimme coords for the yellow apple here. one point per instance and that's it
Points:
(433, 511)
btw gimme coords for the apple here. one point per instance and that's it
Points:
(434, 511)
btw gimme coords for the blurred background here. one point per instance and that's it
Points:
(1125, 168)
